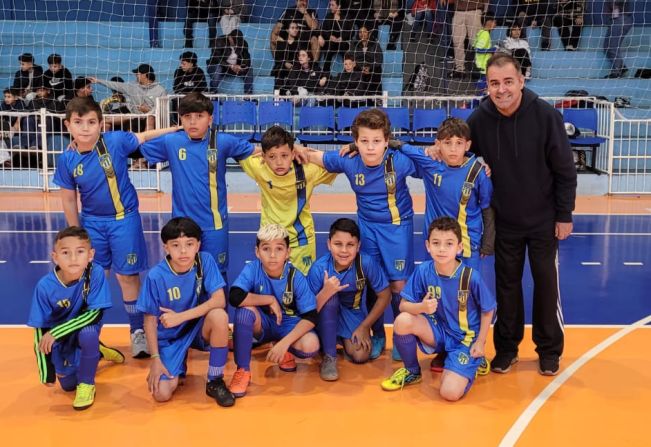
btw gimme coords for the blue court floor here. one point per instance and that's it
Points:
(605, 266)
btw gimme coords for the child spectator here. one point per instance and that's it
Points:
(445, 307)
(569, 20)
(188, 77)
(336, 34)
(83, 88)
(184, 305)
(66, 313)
(24, 78)
(230, 56)
(60, 78)
(286, 54)
(517, 45)
(305, 77)
(368, 56)
(346, 83)
(116, 103)
(482, 44)
(10, 125)
(273, 303)
(230, 11)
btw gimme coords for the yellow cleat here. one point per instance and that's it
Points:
(484, 368)
(110, 354)
(399, 379)
(85, 396)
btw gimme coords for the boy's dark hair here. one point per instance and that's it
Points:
(486, 17)
(500, 59)
(54, 59)
(180, 226)
(372, 119)
(520, 25)
(349, 56)
(82, 106)
(73, 231)
(344, 225)
(195, 102)
(453, 127)
(445, 224)
(276, 136)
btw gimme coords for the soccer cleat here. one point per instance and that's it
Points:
(139, 348)
(85, 396)
(240, 382)
(110, 354)
(395, 355)
(329, 371)
(399, 379)
(484, 367)
(503, 361)
(217, 389)
(288, 363)
(377, 346)
(548, 365)
(438, 363)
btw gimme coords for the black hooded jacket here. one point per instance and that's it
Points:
(533, 172)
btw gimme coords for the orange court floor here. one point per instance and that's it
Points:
(600, 398)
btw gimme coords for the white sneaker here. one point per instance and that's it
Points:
(139, 345)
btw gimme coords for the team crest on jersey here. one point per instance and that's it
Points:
(107, 165)
(221, 258)
(466, 189)
(132, 258)
(399, 264)
(462, 297)
(288, 298)
(212, 159)
(65, 303)
(307, 261)
(463, 358)
(261, 287)
(390, 178)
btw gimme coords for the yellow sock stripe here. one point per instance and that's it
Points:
(75, 324)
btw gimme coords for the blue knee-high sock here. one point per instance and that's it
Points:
(395, 304)
(327, 326)
(136, 319)
(243, 337)
(378, 325)
(68, 383)
(217, 362)
(406, 345)
(89, 345)
(302, 354)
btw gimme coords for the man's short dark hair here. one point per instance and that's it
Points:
(276, 136)
(83, 106)
(195, 102)
(178, 227)
(500, 59)
(445, 224)
(453, 127)
(54, 59)
(72, 231)
(344, 225)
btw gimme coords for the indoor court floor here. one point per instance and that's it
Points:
(599, 398)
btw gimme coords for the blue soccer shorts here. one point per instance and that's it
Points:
(392, 244)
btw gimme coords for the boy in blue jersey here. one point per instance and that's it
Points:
(384, 207)
(184, 305)
(273, 302)
(286, 187)
(197, 159)
(446, 307)
(66, 312)
(95, 167)
(340, 279)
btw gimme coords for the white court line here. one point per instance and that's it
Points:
(39, 262)
(634, 263)
(590, 263)
(528, 414)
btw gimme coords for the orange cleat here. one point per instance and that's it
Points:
(240, 382)
(288, 363)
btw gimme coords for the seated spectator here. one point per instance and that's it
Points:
(43, 98)
(346, 83)
(516, 45)
(305, 77)
(392, 13)
(201, 11)
(83, 88)
(9, 125)
(230, 57)
(188, 77)
(358, 13)
(60, 78)
(336, 34)
(423, 12)
(230, 12)
(536, 13)
(286, 54)
(116, 104)
(569, 21)
(24, 77)
(307, 22)
(368, 56)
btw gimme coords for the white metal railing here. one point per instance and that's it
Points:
(630, 161)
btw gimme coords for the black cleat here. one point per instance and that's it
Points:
(217, 390)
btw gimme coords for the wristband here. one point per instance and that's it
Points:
(155, 356)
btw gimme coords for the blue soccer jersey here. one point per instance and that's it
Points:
(351, 297)
(101, 178)
(54, 302)
(460, 313)
(179, 292)
(381, 192)
(449, 192)
(198, 174)
(299, 301)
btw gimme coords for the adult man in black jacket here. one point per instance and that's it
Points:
(523, 140)
(230, 56)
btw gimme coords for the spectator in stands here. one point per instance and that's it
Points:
(536, 13)
(305, 77)
(308, 25)
(286, 54)
(43, 98)
(369, 57)
(392, 13)
(83, 87)
(423, 13)
(569, 20)
(336, 34)
(24, 77)
(116, 103)
(201, 11)
(516, 45)
(482, 43)
(442, 25)
(230, 57)
(152, 22)
(359, 13)
(346, 83)
(620, 21)
(188, 77)
(230, 15)
(466, 23)
(10, 125)
(60, 78)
